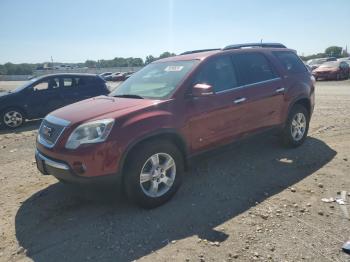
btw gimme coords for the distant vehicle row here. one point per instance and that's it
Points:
(117, 76)
(330, 68)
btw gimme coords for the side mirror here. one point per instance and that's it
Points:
(200, 90)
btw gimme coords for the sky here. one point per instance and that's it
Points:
(76, 30)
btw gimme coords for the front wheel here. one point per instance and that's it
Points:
(297, 126)
(154, 173)
(12, 118)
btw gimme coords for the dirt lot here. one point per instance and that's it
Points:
(251, 201)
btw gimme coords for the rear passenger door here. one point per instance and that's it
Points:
(261, 94)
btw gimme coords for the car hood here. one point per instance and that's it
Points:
(98, 107)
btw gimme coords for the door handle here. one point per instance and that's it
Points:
(239, 100)
(280, 90)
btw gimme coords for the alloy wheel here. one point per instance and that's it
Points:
(158, 175)
(298, 126)
(13, 118)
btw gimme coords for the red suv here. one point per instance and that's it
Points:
(143, 134)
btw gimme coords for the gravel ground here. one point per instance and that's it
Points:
(252, 201)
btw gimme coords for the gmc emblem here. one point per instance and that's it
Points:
(47, 131)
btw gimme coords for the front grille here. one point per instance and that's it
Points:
(50, 132)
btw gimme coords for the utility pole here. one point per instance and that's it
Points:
(52, 63)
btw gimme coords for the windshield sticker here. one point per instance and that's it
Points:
(173, 68)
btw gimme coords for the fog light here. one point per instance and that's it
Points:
(79, 168)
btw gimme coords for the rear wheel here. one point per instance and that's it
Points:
(297, 126)
(12, 118)
(154, 173)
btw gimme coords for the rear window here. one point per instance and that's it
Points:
(291, 62)
(253, 68)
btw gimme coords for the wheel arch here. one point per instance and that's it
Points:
(165, 134)
(304, 101)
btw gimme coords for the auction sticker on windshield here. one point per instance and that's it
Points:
(173, 68)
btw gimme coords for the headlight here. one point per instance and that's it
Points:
(90, 133)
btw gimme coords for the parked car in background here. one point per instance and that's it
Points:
(128, 74)
(332, 70)
(109, 77)
(105, 74)
(143, 134)
(41, 95)
(314, 63)
(119, 77)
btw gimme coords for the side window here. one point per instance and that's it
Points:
(67, 82)
(41, 86)
(218, 73)
(47, 84)
(253, 68)
(290, 61)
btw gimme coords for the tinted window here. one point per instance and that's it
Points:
(252, 68)
(218, 73)
(81, 82)
(291, 62)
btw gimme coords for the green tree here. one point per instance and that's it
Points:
(166, 54)
(90, 63)
(149, 59)
(334, 51)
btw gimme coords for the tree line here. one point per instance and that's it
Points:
(332, 51)
(28, 69)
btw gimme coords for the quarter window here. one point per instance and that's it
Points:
(68, 82)
(291, 62)
(218, 73)
(252, 68)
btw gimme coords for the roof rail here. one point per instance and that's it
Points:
(262, 45)
(199, 51)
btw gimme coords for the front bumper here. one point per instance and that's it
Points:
(63, 171)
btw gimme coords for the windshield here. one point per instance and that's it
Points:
(156, 81)
(317, 61)
(330, 64)
(25, 85)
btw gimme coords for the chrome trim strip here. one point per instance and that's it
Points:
(249, 85)
(52, 163)
(56, 120)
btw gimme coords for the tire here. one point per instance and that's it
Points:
(144, 193)
(291, 137)
(17, 121)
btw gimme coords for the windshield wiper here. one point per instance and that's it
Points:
(129, 96)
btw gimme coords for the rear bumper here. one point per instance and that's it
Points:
(63, 171)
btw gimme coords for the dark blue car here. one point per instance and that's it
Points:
(40, 96)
